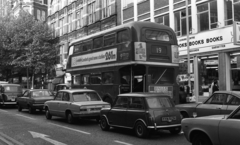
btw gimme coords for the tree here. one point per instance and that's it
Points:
(30, 43)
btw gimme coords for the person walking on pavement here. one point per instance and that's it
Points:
(215, 86)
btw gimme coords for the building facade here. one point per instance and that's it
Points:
(37, 8)
(213, 41)
(4, 5)
(72, 19)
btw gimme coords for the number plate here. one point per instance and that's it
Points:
(169, 118)
(12, 99)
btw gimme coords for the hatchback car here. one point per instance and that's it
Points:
(33, 99)
(9, 93)
(75, 103)
(142, 112)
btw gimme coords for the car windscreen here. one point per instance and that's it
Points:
(83, 97)
(36, 94)
(12, 88)
(158, 102)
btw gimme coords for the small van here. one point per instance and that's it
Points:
(9, 93)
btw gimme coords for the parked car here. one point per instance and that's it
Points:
(221, 102)
(60, 87)
(9, 93)
(213, 130)
(3, 82)
(33, 99)
(75, 103)
(142, 112)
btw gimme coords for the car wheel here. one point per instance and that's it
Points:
(175, 130)
(141, 130)
(70, 118)
(201, 139)
(31, 110)
(19, 108)
(104, 124)
(47, 114)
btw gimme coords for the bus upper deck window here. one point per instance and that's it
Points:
(109, 40)
(157, 35)
(97, 42)
(123, 36)
(87, 46)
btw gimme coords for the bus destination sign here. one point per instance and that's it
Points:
(95, 58)
(156, 49)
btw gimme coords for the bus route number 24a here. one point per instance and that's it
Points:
(110, 55)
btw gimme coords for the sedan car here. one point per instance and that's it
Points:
(213, 130)
(75, 103)
(221, 102)
(33, 99)
(142, 112)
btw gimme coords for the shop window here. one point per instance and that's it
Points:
(96, 78)
(228, 12)
(181, 22)
(207, 16)
(107, 77)
(163, 20)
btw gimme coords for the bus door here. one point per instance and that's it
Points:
(125, 80)
(139, 79)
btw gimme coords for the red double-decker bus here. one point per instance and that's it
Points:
(133, 57)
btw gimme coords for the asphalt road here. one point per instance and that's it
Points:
(22, 128)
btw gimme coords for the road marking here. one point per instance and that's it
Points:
(11, 139)
(25, 116)
(45, 137)
(3, 110)
(71, 128)
(122, 142)
(5, 141)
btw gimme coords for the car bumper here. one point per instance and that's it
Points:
(164, 126)
(38, 106)
(8, 103)
(87, 115)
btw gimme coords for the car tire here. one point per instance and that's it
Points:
(104, 124)
(31, 110)
(175, 130)
(19, 108)
(141, 130)
(201, 139)
(70, 118)
(48, 115)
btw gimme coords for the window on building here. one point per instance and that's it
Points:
(78, 16)
(91, 13)
(70, 23)
(207, 16)
(236, 8)
(38, 14)
(61, 27)
(228, 12)
(127, 3)
(163, 20)
(43, 15)
(108, 8)
(180, 22)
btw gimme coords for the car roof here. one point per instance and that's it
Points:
(236, 93)
(140, 94)
(38, 89)
(76, 90)
(9, 84)
(62, 85)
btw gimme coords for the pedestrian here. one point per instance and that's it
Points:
(182, 95)
(215, 86)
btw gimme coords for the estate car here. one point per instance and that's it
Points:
(142, 112)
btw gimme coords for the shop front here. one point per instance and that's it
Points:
(214, 56)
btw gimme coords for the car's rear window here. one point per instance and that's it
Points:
(158, 102)
(88, 96)
(36, 94)
(12, 88)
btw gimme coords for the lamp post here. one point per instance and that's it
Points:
(188, 51)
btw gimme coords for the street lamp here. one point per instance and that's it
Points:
(188, 51)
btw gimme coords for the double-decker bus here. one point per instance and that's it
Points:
(133, 57)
